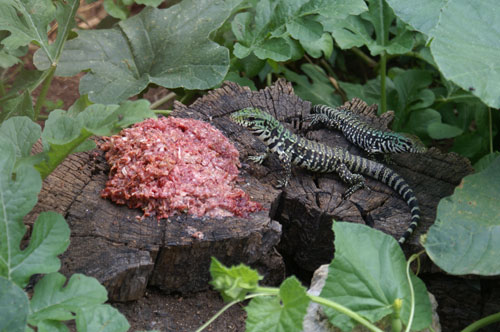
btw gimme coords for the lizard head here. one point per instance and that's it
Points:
(255, 120)
(410, 143)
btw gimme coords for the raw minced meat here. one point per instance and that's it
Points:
(170, 165)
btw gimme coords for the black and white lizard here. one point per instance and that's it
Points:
(317, 157)
(361, 133)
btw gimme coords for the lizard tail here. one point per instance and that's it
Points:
(398, 184)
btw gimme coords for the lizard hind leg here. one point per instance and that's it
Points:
(355, 181)
(359, 184)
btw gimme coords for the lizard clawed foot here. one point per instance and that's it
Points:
(281, 184)
(258, 159)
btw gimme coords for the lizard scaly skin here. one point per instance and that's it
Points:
(317, 157)
(362, 134)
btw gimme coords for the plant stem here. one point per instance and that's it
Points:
(43, 92)
(227, 306)
(491, 129)
(412, 291)
(383, 96)
(162, 112)
(162, 100)
(366, 59)
(345, 311)
(483, 322)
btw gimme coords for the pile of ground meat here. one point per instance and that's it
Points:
(171, 165)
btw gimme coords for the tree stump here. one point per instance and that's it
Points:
(127, 255)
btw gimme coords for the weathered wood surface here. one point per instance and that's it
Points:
(311, 201)
(128, 255)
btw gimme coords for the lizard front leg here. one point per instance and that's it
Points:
(260, 157)
(355, 181)
(286, 162)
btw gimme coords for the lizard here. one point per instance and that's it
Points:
(317, 157)
(362, 134)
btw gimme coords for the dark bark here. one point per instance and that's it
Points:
(127, 255)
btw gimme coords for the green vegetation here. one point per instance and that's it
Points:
(440, 77)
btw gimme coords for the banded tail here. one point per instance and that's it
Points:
(393, 180)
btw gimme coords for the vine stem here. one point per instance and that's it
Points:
(366, 59)
(412, 291)
(383, 68)
(345, 311)
(491, 129)
(483, 322)
(43, 92)
(163, 100)
(227, 306)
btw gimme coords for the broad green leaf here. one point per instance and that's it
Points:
(50, 237)
(423, 17)
(22, 133)
(65, 132)
(420, 120)
(465, 238)
(283, 313)
(116, 9)
(467, 54)
(52, 326)
(485, 161)
(368, 274)
(320, 47)
(53, 300)
(102, 318)
(412, 93)
(18, 195)
(20, 105)
(234, 282)
(358, 30)
(168, 47)
(243, 81)
(438, 130)
(369, 92)
(14, 307)
(320, 91)
(265, 32)
(28, 20)
(7, 60)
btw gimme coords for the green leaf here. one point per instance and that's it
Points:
(243, 81)
(420, 120)
(64, 132)
(14, 307)
(27, 20)
(235, 282)
(283, 313)
(18, 195)
(265, 32)
(118, 9)
(485, 161)
(438, 130)
(423, 17)
(368, 274)
(102, 318)
(50, 237)
(7, 60)
(357, 31)
(320, 47)
(20, 105)
(22, 133)
(469, 56)
(52, 301)
(465, 238)
(320, 91)
(154, 46)
(369, 92)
